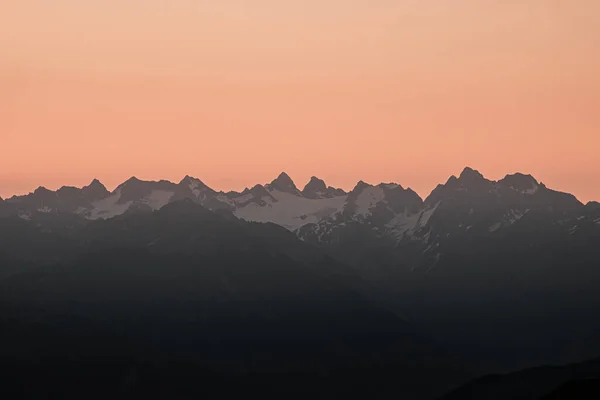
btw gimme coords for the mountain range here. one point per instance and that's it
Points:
(468, 206)
(317, 208)
(480, 277)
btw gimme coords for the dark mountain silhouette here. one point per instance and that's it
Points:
(502, 274)
(134, 189)
(239, 300)
(576, 390)
(284, 183)
(574, 381)
(316, 189)
(95, 190)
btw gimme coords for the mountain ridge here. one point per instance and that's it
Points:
(318, 210)
(466, 170)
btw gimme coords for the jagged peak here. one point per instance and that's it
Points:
(315, 185)
(95, 189)
(132, 180)
(360, 185)
(283, 177)
(592, 205)
(519, 180)
(63, 188)
(336, 191)
(42, 190)
(284, 183)
(451, 180)
(471, 174)
(390, 186)
(258, 189)
(468, 178)
(316, 179)
(519, 175)
(190, 179)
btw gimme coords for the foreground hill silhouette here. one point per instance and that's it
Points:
(574, 381)
(186, 294)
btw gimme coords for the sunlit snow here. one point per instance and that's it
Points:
(291, 211)
(108, 207)
(368, 199)
(158, 199)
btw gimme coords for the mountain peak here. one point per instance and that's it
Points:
(521, 182)
(315, 185)
(187, 180)
(284, 177)
(592, 205)
(95, 184)
(130, 181)
(391, 186)
(284, 183)
(258, 190)
(95, 190)
(471, 174)
(42, 190)
(360, 186)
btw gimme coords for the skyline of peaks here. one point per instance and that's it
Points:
(315, 187)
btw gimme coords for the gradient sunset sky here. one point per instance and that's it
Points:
(234, 92)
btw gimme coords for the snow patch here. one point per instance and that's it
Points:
(290, 210)
(157, 199)
(532, 190)
(514, 216)
(194, 188)
(108, 207)
(368, 199)
(426, 215)
(403, 224)
(240, 200)
(495, 227)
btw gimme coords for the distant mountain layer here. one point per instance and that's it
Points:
(318, 209)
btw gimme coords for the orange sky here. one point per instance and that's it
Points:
(235, 91)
